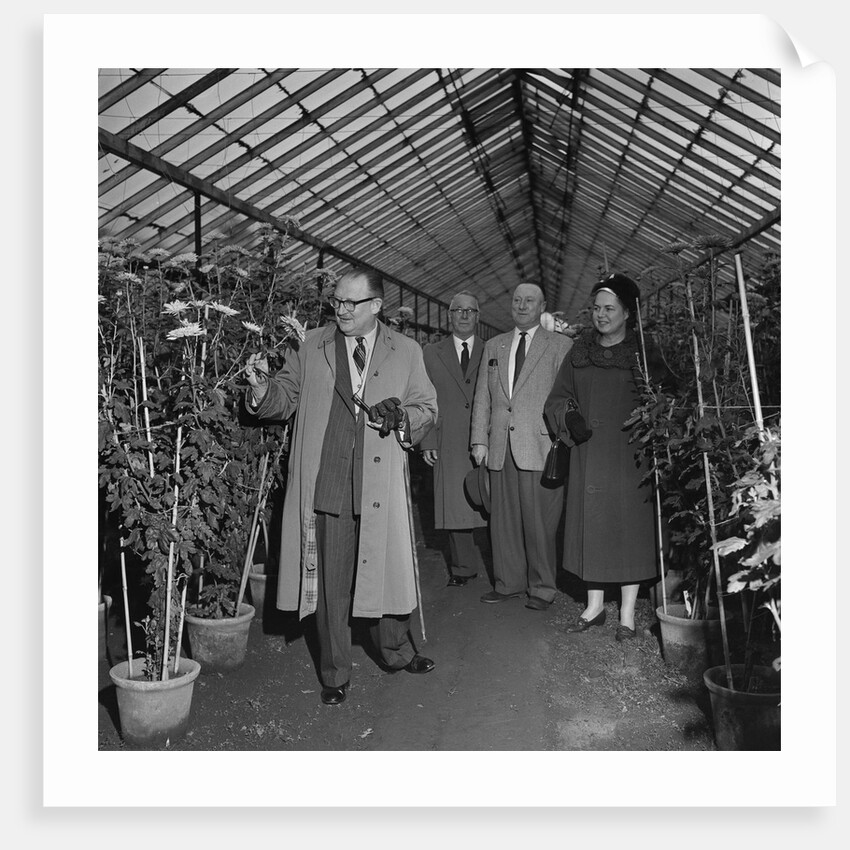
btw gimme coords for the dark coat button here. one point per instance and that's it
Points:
(376, 504)
(376, 459)
(512, 427)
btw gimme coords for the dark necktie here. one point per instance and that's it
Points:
(519, 359)
(360, 355)
(464, 359)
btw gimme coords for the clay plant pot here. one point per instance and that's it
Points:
(257, 582)
(153, 714)
(745, 720)
(220, 645)
(102, 624)
(691, 646)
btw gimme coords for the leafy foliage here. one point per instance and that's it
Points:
(699, 435)
(179, 459)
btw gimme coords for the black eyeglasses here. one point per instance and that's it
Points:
(464, 311)
(349, 305)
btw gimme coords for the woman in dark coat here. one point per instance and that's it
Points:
(610, 522)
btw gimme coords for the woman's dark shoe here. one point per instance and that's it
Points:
(624, 633)
(582, 625)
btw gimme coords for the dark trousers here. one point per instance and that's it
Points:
(464, 553)
(336, 541)
(524, 521)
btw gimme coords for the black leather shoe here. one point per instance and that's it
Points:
(624, 633)
(419, 664)
(495, 596)
(537, 604)
(460, 581)
(334, 696)
(582, 625)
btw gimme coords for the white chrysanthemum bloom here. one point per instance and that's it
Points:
(223, 308)
(206, 269)
(405, 312)
(293, 327)
(199, 303)
(250, 326)
(101, 299)
(187, 329)
(174, 308)
(158, 254)
(189, 257)
(129, 277)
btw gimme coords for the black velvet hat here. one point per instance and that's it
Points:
(626, 290)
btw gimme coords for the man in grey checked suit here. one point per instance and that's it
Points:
(510, 435)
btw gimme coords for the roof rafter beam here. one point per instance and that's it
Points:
(527, 145)
(138, 156)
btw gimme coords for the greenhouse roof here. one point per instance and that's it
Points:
(451, 178)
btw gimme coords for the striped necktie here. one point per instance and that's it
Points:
(360, 355)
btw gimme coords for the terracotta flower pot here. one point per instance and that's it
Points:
(220, 645)
(153, 714)
(745, 720)
(691, 646)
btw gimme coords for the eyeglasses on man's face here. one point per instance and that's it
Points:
(463, 311)
(347, 303)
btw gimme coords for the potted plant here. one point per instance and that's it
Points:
(183, 474)
(745, 696)
(695, 435)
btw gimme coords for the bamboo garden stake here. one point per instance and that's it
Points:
(655, 481)
(170, 573)
(709, 494)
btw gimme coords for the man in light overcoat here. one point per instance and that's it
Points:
(452, 365)
(510, 435)
(346, 548)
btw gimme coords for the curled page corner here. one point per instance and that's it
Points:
(795, 51)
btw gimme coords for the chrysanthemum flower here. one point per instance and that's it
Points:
(189, 257)
(293, 327)
(405, 312)
(175, 308)
(187, 329)
(250, 326)
(223, 308)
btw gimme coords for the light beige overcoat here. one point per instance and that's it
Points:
(385, 582)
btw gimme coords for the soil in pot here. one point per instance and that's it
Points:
(153, 714)
(745, 720)
(220, 645)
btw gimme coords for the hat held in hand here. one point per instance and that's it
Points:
(476, 483)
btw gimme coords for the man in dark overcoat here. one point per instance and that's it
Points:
(452, 365)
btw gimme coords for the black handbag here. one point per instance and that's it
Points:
(557, 463)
